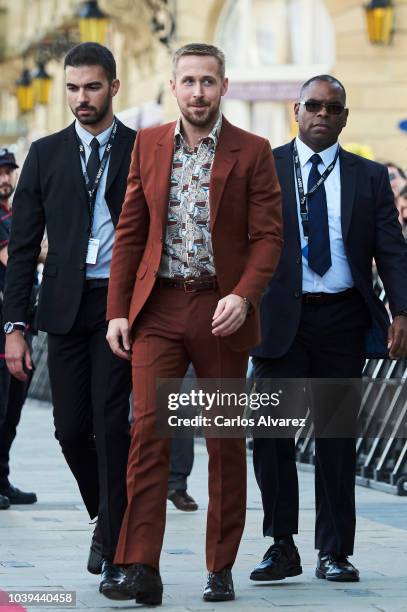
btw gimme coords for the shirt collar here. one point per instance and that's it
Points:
(213, 134)
(305, 153)
(86, 137)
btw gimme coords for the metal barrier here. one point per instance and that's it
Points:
(381, 463)
(40, 386)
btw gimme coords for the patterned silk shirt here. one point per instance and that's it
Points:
(187, 250)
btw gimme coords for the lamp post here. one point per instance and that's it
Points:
(24, 91)
(92, 23)
(41, 84)
(379, 21)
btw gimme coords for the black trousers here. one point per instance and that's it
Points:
(13, 394)
(90, 392)
(181, 462)
(329, 344)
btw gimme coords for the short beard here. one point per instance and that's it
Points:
(205, 121)
(97, 117)
(6, 195)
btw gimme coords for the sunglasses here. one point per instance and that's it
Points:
(315, 107)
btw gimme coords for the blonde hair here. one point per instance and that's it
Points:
(200, 49)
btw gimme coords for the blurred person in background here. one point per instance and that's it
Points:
(13, 392)
(397, 176)
(402, 208)
(181, 463)
(73, 185)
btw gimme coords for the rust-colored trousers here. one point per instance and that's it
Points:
(173, 330)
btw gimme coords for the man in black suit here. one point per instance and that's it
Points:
(73, 185)
(316, 313)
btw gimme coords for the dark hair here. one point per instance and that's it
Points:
(327, 78)
(200, 49)
(399, 170)
(92, 54)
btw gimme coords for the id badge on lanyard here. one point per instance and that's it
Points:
(94, 243)
(93, 248)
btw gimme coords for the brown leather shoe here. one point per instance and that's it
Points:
(140, 582)
(182, 501)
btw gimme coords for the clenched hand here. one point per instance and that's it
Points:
(229, 315)
(18, 355)
(397, 338)
(118, 337)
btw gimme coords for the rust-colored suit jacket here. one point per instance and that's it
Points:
(245, 220)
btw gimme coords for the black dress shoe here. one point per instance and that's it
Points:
(336, 568)
(280, 561)
(111, 575)
(219, 586)
(95, 559)
(4, 502)
(16, 496)
(141, 582)
(182, 501)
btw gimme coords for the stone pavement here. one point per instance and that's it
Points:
(45, 546)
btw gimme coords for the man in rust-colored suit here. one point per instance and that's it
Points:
(196, 244)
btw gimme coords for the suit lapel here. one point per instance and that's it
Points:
(73, 164)
(162, 170)
(225, 159)
(285, 171)
(119, 149)
(348, 190)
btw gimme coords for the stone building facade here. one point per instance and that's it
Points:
(271, 47)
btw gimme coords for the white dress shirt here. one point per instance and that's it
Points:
(338, 277)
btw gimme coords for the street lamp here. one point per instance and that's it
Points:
(41, 84)
(24, 91)
(92, 23)
(379, 20)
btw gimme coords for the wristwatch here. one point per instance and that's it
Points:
(247, 304)
(9, 327)
(401, 313)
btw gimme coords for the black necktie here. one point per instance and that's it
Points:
(93, 164)
(319, 252)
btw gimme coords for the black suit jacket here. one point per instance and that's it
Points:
(51, 193)
(370, 230)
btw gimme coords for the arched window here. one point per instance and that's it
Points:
(271, 47)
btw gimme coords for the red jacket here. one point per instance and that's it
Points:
(245, 217)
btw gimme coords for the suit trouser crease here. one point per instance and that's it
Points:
(90, 390)
(329, 344)
(13, 395)
(166, 339)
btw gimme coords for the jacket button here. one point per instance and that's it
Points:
(298, 260)
(297, 294)
(82, 266)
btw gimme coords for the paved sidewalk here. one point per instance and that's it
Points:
(45, 546)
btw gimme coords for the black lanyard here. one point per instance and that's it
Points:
(92, 189)
(300, 186)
